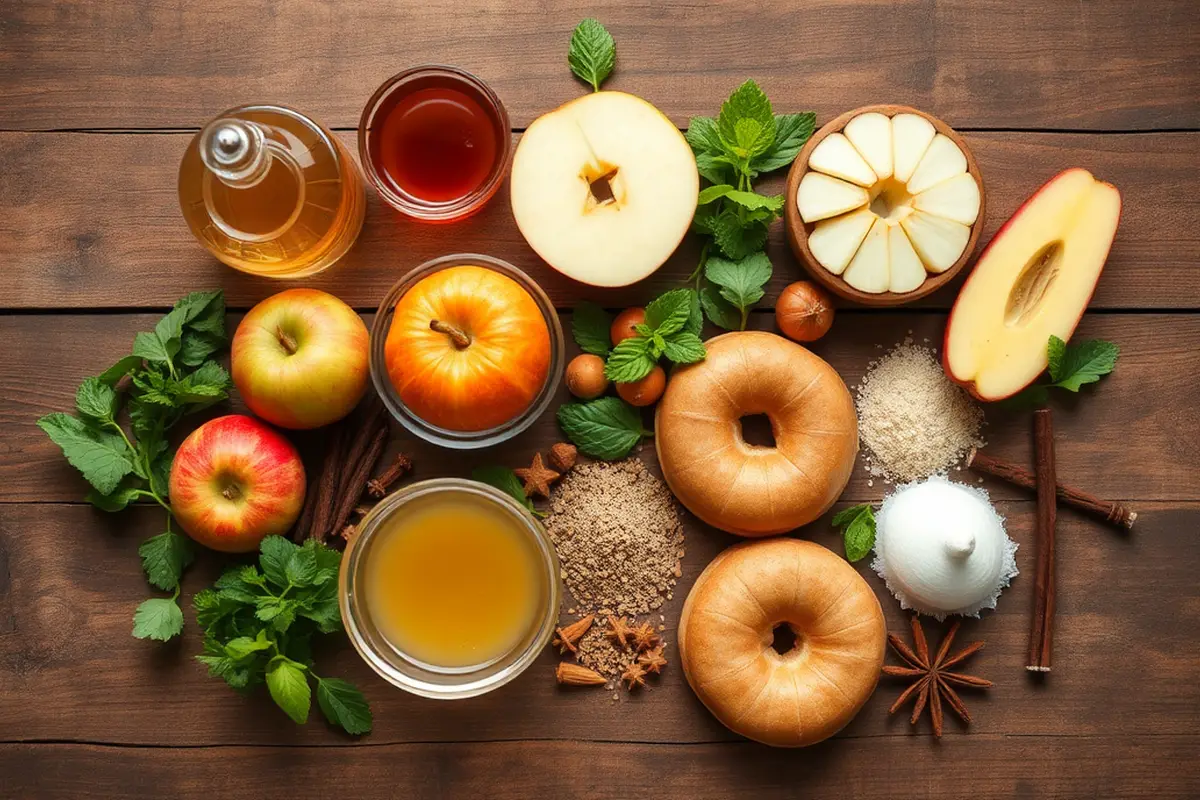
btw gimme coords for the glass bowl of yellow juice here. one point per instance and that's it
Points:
(450, 588)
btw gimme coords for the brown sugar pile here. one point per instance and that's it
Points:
(618, 535)
(913, 420)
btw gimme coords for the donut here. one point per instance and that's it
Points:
(808, 693)
(752, 490)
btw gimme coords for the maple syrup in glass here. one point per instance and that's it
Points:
(270, 192)
(434, 141)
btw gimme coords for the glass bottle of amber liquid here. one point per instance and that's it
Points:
(271, 192)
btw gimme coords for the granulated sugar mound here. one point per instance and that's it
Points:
(913, 420)
(618, 535)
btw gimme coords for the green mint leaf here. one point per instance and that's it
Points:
(159, 618)
(669, 312)
(274, 554)
(116, 500)
(243, 646)
(607, 428)
(96, 401)
(752, 137)
(203, 312)
(344, 705)
(591, 326)
(150, 347)
(1056, 349)
(685, 348)
(164, 558)
(791, 133)
(301, 568)
(120, 370)
(737, 238)
(848, 515)
(328, 561)
(713, 193)
(754, 200)
(241, 583)
(212, 608)
(279, 611)
(195, 348)
(209, 384)
(288, 685)
(169, 331)
(1085, 363)
(630, 360)
(506, 481)
(103, 458)
(591, 53)
(741, 281)
(718, 310)
(748, 102)
(716, 169)
(323, 609)
(703, 136)
(695, 322)
(657, 345)
(642, 329)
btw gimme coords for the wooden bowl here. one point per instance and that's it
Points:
(798, 230)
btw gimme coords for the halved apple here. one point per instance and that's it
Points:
(604, 188)
(896, 174)
(1034, 280)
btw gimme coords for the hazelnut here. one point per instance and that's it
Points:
(585, 376)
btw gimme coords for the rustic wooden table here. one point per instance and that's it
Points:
(97, 102)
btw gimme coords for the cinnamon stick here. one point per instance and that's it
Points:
(326, 494)
(300, 530)
(366, 421)
(1042, 633)
(1113, 513)
(356, 477)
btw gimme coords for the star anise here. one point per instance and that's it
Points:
(653, 660)
(645, 637)
(634, 675)
(537, 477)
(932, 679)
(618, 631)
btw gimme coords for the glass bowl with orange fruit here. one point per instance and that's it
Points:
(466, 351)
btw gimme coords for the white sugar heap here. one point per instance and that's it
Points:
(913, 420)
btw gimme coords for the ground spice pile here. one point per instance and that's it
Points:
(913, 420)
(618, 535)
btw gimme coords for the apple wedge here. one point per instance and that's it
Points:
(938, 241)
(905, 270)
(941, 162)
(868, 270)
(911, 135)
(835, 241)
(871, 135)
(604, 188)
(956, 199)
(1034, 280)
(820, 197)
(837, 157)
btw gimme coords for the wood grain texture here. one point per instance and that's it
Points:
(69, 239)
(1113, 440)
(1106, 64)
(72, 672)
(980, 767)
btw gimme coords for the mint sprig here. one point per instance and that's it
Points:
(1071, 367)
(739, 284)
(592, 53)
(858, 530)
(259, 622)
(607, 428)
(170, 374)
(745, 140)
(591, 326)
(672, 329)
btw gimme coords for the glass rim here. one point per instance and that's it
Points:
(408, 673)
(412, 206)
(446, 437)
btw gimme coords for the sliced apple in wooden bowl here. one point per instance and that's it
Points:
(884, 205)
(1033, 281)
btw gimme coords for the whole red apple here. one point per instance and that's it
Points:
(299, 359)
(235, 481)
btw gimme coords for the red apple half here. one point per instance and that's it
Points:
(1033, 280)
(299, 359)
(235, 481)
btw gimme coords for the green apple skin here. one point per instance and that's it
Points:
(300, 359)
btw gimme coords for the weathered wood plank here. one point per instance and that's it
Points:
(69, 240)
(1099, 65)
(1113, 439)
(982, 767)
(70, 579)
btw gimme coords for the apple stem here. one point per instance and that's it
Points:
(457, 335)
(286, 340)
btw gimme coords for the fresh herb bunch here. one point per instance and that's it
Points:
(169, 374)
(606, 428)
(259, 621)
(672, 329)
(591, 53)
(506, 481)
(744, 141)
(1071, 366)
(858, 530)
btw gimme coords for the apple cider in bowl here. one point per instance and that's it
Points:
(450, 588)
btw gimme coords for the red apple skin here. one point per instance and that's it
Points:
(235, 481)
(969, 385)
(317, 384)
